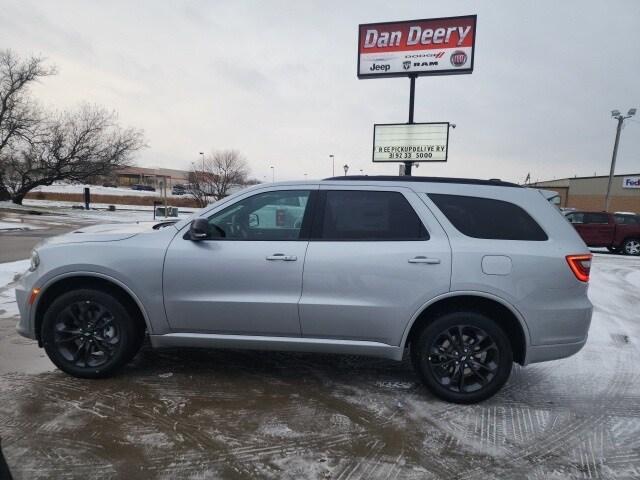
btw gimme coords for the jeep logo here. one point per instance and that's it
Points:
(375, 67)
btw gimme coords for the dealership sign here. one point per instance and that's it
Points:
(439, 46)
(410, 142)
(631, 182)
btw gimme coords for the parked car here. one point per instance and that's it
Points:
(618, 232)
(471, 275)
(140, 186)
(178, 190)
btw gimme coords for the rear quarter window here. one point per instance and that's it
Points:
(488, 218)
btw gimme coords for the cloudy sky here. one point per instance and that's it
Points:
(277, 81)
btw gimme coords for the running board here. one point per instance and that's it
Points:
(291, 344)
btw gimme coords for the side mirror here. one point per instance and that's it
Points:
(199, 229)
(254, 220)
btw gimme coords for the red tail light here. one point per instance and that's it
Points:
(580, 266)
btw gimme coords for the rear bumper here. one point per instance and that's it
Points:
(544, 353)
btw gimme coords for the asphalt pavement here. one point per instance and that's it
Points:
(17, 244)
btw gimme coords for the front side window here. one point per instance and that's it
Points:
(600, 218)
(276, 215)
(576, 217)
(488, 218)
(369, 216)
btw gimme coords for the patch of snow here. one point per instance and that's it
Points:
(98, 190)
(9, 273)
(12, 224)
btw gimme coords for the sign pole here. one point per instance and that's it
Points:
(412, 97)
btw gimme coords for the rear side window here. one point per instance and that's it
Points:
(488, 218)
(369, 215)
(627, 220)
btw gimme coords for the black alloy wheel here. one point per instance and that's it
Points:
(90, 333)
(86, 335)
(462, 357)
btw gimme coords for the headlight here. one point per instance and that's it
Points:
(35, 261)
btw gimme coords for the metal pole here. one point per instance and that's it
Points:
(412, 97)
(607, 198)
(333, 165)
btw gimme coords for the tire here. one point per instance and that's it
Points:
(631, 246)
(436, 349)
(93, 327)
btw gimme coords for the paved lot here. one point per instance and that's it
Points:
(232, 414)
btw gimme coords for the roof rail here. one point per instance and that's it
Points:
(391, 178)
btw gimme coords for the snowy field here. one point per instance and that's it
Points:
(56, 212)
(233, 414)
(96, 189)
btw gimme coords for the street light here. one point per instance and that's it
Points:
(333, 165)
(273, 173)
(202, 153)
(620, 118)
(346, 169)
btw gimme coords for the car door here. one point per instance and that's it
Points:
(376, 255)
(600, 231)
(245, 278)
(586, 231)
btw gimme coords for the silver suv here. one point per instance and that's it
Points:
(470, 275)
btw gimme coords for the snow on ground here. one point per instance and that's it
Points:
(240, 414)
(57, 211)
(8, 274)
(15, 224)
(97, 189)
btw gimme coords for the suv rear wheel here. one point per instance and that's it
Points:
(90, 333)
(462, 357)
(631, 246)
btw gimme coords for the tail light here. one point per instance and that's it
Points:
(580, 265)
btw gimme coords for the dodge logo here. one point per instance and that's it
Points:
(458, 58)
(406, 65)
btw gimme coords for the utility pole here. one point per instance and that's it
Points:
(620, 118)
(412, 97)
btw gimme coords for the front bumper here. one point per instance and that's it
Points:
(25, 325)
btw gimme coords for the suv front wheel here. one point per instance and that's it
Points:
(90, 333)
(462, 357)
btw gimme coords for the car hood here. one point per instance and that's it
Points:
(108, 232)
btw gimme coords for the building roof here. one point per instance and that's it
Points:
(567, 179)
(160, 172)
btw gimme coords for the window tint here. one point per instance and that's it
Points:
(596, 218)
(627, 220)
(487, 218)
(370, 215)
(274, 215)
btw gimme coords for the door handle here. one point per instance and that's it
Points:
(421, 259)
(283, 257)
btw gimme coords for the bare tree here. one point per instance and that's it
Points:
(69, 146)
(222, 170)
(19, 116)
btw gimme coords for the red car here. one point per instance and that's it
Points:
(616, 231)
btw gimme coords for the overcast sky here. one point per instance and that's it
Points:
(277, 81)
